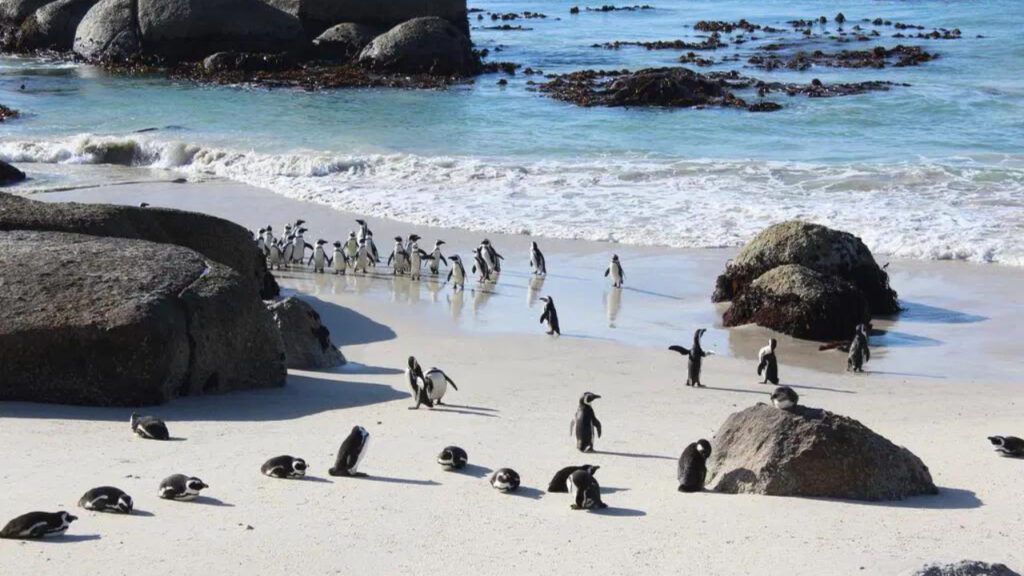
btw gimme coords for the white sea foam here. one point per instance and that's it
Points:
(958, 208)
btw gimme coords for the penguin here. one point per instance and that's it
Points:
(784, 397)
(288, 251)
(181, 487)
(351, 453)
(560, 482)
(491, 256)
(351, 247)
(364, 229)
(301, 246)
(452, 458)
(274, 256)
(413, 238)
(480, 263)
(319, 258)
(1008, 445)
(767, 362)
(550, 315)
(149, 427)
(505, 480)
(38, 525)
(261, 245)
(537, 260)
(268, 235)
(615, 269)
(374, 253)
(338, 260)
(416, 257)
(107, 499)
(284, 467)
(859, 351)
(585, 423)
(588, 491)
(693, 469)
(696, 357)
(437, 258)
(399, 257)
(415, 374)
(363, 258)
(457, 272)
(436, 383)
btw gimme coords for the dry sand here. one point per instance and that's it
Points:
(943, 378)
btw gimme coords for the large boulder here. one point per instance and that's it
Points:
(422, 45)
(109, 32)
(813, 453)
(798, 301)
(346, 40)
(318, 15)
(246, 62)
(117, 322)
(307, 342)
(15, 11)
(9, 174)
(53, 26)
(831, 252)
(219, 240)
(965, 568)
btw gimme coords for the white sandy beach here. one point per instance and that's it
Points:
(942, 378)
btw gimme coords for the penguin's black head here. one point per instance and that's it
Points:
(300, 222)
(439, 243)
(704, 448)
(996, 440)
(588, 397)
(486, 242)
(398, 238)
(360, 430)
(194, 485)
(590, 469)
(413, 237)
(697, 335)
(321, 242)
(337, 244)
(358, 221)
(351, 233)
(773, 343)
(615, 257)
(455, 257)
(413, 364)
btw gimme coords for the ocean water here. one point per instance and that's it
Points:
(933, 170)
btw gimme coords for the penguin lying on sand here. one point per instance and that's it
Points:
(37, 525)
(284, 467)
(107, 499)
(181, 487)
(784, 397)
(1008, 445)
(149, 427)
(505, 480)
(453, 458)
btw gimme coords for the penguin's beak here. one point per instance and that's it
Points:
(72, 518)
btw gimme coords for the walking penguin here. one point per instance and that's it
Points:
(457, 273)
(696, 356)
(767, 363)
(537, 260)
(550, 315)
(859, 351)
(615, 269)
(436, 258)
(585, 424)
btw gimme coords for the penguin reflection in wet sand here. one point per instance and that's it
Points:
(588, 491)
(586, 424)
(767, 362)
(149, 427)
(560, 482)
(785, 398)
(284, 467)
(537, 260)
(37, 525)
(615, 270)
(107, 499)
(696, 356)
(693, 469)
(351, 453)
(1008, 445)
(550, 315)
(859, 351)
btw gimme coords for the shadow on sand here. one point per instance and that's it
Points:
(474, 470)
(634, 455)
(527, 492)
(406, 481)
(356, 368)
(347, 326)
(946, 499)
(619, 512)
(66, 539)
(210, 501)
(925, 314)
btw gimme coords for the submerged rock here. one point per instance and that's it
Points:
(670, 87)
(422, 45)
(812, 453)
(307, 342)
(965, 568)
(9, 174)
(345, 41)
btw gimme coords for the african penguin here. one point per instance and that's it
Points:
(436, 383)
(859, 351)
(693, 469)
(399, 257)
(537, 260)
(415, 375)
(319, 259)
(588, 491)
(550, 315)
(288, 251)
(284, 467)
(339, 260)
(696, 356)
(768, 363)
(416, 257)
(480, 264)
(351, 247)
(107, 499)
(784, 398)
(452, 458)
(363, 258)
(491, 256)
(560, 481)
(437, 258)
(37, 525)
(585, 424)
(1008, 445)
(274, 256)
(181, 487)
(505, 480)
(149, 427)
(457, 273)
(300, 246)
(615, 269)
(351, 453)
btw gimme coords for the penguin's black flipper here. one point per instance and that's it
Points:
(607, 271)
(544, 315)
(450, 381)
(445, 262)
(450, 272)
(597, 426)
(679, 349)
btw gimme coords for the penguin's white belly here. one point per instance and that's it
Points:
(459, 275)
(339, 260)
(415, 261)
(616, 274)
(439, 385)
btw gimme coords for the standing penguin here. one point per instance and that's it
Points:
(693, 469)
(491, 255)
(1008, 445)
(339, 260)
(268, 235)
(274, 256)
(588, 491)
(351, 248)
(399, 257)
(767, 362)
(261, 244)
(453, 458)
(181, 487)
(288, 251)
(615, 269)
(416, 257)
(351, 453)
(859, 351)
(436, 383)
(107, 499)
(696, 357)
(585, 424)
(480, 263)
(418, 384)
(374, 253)
(537, 260)
(363, 258)
(364, 229)
(457, 273)
(37, 525)
(560, 482)
(284, 467)
(413, 239)
(301, 246)
(319, 258)
(785, 398)
(437, 258)
(505, 480)
(550, 315)
(149, 427)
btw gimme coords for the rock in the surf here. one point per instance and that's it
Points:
(798, 301)
(246, 62)
(346, 40)
(965, 568)
(122, 322)
(427, 45)
(810, 452)
(53, 26)
(318, 15)
(109, 33)
(9, 174)
(307, 342)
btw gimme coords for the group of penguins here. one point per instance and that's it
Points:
(429, 388)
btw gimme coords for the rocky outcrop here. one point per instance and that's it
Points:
(345, 41)
(217, 239)
(675, 87)
(965, 568)
(109, 32)
(307, 342)
(246, 62)
(798, 301)
(53, 26)
(813, 453)
(117, 322)
(17, 10)
(9, 174)
(318, 15)
(422, 46)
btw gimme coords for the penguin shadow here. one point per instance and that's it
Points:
(770, 387)
(906, 374)
(526, 492)
(894, 339)
(211, 501)
(925, 314)
(612, 490)
(406, 481)
(68, 538)
(363, 369)
(738, 390)
(141, 513)
(619, 512)
(474, 470)
(946, 499)
(635, 455)
(316, 480)
(469, 410)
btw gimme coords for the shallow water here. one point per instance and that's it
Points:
(930, 170)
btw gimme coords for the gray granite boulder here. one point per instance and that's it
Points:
(307, 342)
(15, 11)
(9, 174)
(812, 453)
(246, 62)
(422, 45)
(965, 568)
(318, 15)
(123, 322)
(346, 40)
(109, 32)
(53, 26)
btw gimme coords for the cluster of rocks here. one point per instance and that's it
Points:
(713, 42)
(805, 280)
(6, 113)
(9, 174)
(118, 305)
(877, 57)
(965, 568)
(611, 8)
